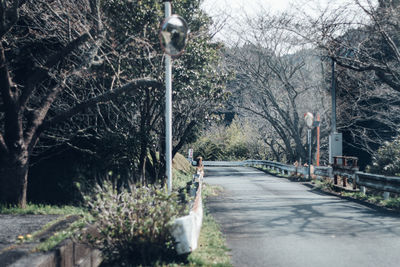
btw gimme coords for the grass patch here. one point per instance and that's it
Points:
(325, 185)
(211, 190)
(59, 236)
(359, 195)
(212, 249)
(41, 209)
(392, 203)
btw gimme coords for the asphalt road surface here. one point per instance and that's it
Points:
(271, 221)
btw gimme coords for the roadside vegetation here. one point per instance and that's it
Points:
(239, 140)
(131, 225)
(386, 160)
(371, 196)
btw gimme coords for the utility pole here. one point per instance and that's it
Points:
(335, 138)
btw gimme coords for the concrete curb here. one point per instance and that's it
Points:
(68, 254)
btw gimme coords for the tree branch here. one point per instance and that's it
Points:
(40, 113)
(9, 16)
(3, 146)
(106, 97)
(40, 73)
(182, 141)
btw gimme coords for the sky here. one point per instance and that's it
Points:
(215, 6)
(228, 11)
(238, 6)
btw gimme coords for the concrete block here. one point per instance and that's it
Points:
(48, 260)
(386, 195)
(66, 254)
(81, 251)
(96, 258)
(85, 262)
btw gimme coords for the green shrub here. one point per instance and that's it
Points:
(225, 143)
(133, 225)
(386, 160)
(209, 150)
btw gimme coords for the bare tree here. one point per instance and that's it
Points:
(279, 82)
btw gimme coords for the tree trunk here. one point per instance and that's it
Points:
(14, 179)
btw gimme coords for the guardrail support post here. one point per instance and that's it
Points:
(363, 190)
(386, 195)
(354, 182)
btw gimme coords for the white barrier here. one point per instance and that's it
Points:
(186, 230)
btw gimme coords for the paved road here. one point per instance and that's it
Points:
(273, 222)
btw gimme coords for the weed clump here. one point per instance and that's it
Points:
(133, 225)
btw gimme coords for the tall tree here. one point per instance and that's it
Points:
(45, 46)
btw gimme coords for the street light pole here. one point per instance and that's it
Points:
(309, 119)
(168, 109)
(173, 35)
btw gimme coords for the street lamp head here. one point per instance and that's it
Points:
(173, 35)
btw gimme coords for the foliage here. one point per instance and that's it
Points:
(180, 179)
(231, 142)
(386, 160)
(392, 203)
(133, 225)
(65, 57)
(126, 136)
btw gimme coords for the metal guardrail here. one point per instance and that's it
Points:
(223, 163)
(378, 182)
(382, 183)
(323, 171)
(281, 167)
